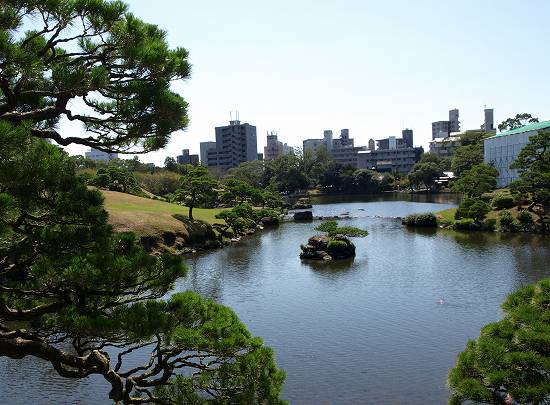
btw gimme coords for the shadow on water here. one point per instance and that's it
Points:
(421, 231)
(330, 266)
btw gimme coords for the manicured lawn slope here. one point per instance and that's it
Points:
(147, 217)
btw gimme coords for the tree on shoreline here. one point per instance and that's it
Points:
(533, 163)
(478, 180)
(197, 188)
(509, 361)
(72, 292)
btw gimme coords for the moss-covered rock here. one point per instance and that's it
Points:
(323, 247)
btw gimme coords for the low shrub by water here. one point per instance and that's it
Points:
(424, 220)
(502, 201)
(466, 224)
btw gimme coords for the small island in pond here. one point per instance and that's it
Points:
(334, 245)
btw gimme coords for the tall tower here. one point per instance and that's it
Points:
(327, 136)
(454, 123)
(407, 135)
(371, 145)
(489, 124)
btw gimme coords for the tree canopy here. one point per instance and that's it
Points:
(93, 62)
(73, 292)
(480, 179)
(517, 122)
(197, 188)
(509, 361)
(533, 163)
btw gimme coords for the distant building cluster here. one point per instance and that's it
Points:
(391, 154)
(236, 143)
(445, 144)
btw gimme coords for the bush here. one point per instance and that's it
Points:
(486, 197)
(263, 213)
(489, 224)
(525, 218)
(337, 245)
(350, 231)
(506, 222)
(327, 226)
(473, 208)
(503, 201)
(466, 224)
(424, 220)
(332, 228)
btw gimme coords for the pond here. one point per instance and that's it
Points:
(383, 328)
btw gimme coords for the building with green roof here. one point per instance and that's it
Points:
(503, 148)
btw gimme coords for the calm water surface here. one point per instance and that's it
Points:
(367, 331)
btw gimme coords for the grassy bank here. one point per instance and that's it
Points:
(148, 217)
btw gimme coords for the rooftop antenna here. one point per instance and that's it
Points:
(231, 115)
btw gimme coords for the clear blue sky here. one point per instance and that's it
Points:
(299, 67)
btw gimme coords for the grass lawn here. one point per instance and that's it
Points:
(446, 216)
(145, 216)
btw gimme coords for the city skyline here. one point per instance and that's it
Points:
(368, 67)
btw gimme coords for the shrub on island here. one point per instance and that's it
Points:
(334, 245)
(428, 220)
(502, 201)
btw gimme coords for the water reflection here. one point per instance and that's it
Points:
(371, 330)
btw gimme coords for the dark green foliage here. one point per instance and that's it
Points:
(525, 220)
(466, 157)
(198, 188)
(489, 224)
(337, 245)
(88, 288)
(516, 122)
(507, 223)
(69, 286)
(116, 179)
(332, 228)
(421, 220)
(426, 173)
(117, 68)
(501, 201)
(533, 163)
(476, 181)
(239, 218)
(474, 209)
(510, 358)
(466, 224)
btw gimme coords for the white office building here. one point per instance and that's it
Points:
(100, 156)
(501, 150)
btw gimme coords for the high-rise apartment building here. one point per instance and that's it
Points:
(454, 123)
(236, 143)
(275, 148)
(442, 129)
(407, 136)
(205, 148)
